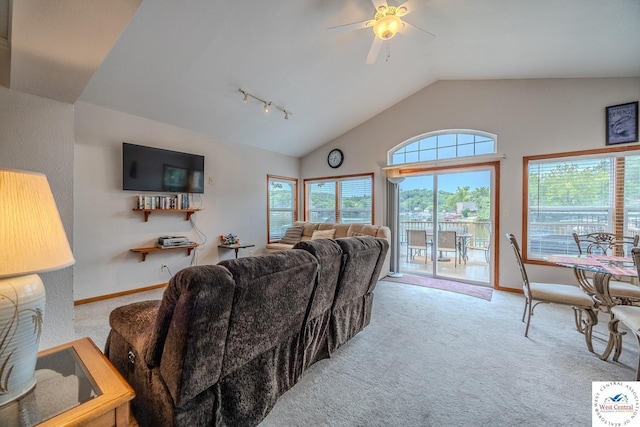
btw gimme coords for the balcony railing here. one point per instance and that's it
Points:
(480, 230)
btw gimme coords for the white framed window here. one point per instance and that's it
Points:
(341, 200)
(282, 205)
(443, 145)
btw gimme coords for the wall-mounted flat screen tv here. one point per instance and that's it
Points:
(156, 169)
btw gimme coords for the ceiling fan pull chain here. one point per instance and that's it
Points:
(388, 50)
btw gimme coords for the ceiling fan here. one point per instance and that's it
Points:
(386, 23)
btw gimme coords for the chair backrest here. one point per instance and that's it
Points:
(605, 243)
(191, 329)
(523, 272)
(417, 238)
(363, 258)
(329, 256)
(270, 302)
(635, 254)
(447, 240)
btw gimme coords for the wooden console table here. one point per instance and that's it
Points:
(75, 385)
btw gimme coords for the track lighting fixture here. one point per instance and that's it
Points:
(266, 104)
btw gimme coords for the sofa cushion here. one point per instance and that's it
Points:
(342, 230)
(292, 235)
(323, 234)
(309, 228)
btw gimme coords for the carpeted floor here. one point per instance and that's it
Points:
(441, 359)
(445, 285)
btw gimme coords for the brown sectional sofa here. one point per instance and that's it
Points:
(341, 230)
(227, 340)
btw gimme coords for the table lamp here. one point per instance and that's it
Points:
(32, 240)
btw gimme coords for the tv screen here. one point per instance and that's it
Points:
(155, 169)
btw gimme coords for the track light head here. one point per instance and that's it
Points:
(266, 104)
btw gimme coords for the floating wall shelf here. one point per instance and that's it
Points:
(145, 251)
(147, 212)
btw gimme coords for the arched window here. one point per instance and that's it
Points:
(444, 144)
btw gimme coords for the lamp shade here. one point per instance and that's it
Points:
(32, 238)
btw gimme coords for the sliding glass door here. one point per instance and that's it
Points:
(452, 209)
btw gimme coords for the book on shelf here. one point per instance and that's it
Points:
(171, 201)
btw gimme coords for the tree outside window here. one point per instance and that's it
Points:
(282, 205)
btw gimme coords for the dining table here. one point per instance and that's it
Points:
(594, 273)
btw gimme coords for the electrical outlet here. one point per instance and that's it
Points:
(163, 267)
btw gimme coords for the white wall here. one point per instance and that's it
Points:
(529, 116)
(106, 227)
(36, 134)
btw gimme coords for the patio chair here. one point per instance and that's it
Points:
(554, 293)
(448, 242)
(612, 245)
(487, 250)
(416, 243)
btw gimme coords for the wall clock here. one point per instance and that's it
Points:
(335, 158)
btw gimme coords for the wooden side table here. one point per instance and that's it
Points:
(236, 247)
(75, 385)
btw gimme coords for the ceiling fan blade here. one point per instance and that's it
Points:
(410, 30)
(350, 27)
(378, 3)
(374, 51)
(407, 5)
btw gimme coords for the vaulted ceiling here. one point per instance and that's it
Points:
(183, 63)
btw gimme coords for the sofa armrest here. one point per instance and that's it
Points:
(277, 246)
(135, 323)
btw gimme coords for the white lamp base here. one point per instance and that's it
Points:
(22, 302)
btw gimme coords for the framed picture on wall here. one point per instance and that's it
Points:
(622, 123)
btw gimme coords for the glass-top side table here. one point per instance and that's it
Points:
(75, 384)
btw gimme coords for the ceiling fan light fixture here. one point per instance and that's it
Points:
(387, 26)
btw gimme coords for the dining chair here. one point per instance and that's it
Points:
(554, 293)
(611, 245)
(448, 242)
(629, 315)
(416, 243)
(603, 243)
